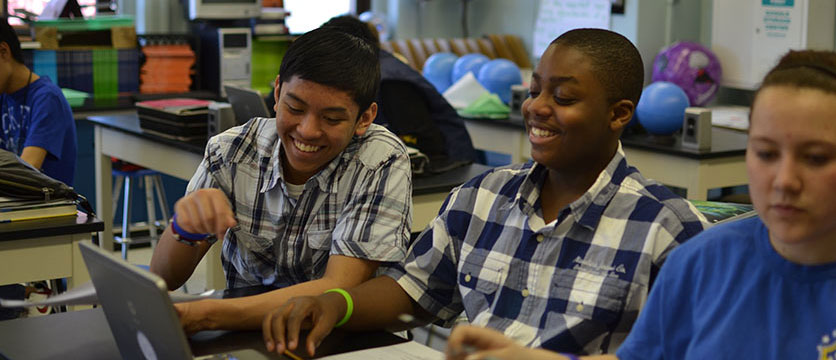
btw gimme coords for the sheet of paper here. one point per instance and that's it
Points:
(85, 294)
(464, 92)
(555, 17)
(404, 351)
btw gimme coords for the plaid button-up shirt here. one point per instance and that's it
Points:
(359, 205)
(576, 284)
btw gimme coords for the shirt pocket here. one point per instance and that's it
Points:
(319, 243)
(255, 255)
(319, 240)
(252, 242)
(480, 281)
(590, 296)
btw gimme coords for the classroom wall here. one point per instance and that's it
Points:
(643, 21)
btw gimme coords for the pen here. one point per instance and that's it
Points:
(291, 355)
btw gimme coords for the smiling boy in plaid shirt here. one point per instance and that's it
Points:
(558, 253)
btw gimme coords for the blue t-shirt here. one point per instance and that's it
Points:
(45, 120)
(726, 294)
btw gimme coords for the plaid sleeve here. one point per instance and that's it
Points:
(208, 174)
(429, 273)
(375, 223)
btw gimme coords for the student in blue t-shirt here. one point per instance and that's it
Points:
(760, 288)
(37, 123)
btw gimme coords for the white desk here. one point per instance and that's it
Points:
(120, 136)
(696, 172)
(45, 249)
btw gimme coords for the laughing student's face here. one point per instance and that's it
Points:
(315, 123)
(568, 116)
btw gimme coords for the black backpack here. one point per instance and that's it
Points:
(20, 180)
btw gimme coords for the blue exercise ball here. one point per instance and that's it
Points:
(468, 63)
(438, 69)
(661, 108)
(498, 76)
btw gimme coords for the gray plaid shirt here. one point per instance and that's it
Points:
(574, 285)
(359, 205)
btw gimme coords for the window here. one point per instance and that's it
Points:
(88, 8)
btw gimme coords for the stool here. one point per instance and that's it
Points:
(153, 183)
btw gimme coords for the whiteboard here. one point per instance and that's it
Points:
(556, 17)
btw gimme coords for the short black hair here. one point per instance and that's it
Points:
(812, 69)
(354, 26)
(616, 62)
(9, 36)
(333, 58)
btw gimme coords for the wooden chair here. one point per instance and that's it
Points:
(420, 55)
(402, 47)
(486, 48)
(443, 45)
(500, 47)
(387, 46)
(459, 46)
(517, 49)
(430, 46)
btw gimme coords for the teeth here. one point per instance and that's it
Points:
(542, 132)
(305, 147)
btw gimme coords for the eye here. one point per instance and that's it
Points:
(817, 159)
(766, 155)
(334, 120)
(533, 93)
(563, 101)
(292, 109)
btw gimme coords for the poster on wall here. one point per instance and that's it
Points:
(554, 17)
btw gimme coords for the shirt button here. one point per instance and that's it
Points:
(579, 308)
(467, 278)
(540, 238)
(525, 293)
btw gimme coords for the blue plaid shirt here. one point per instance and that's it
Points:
(359, 205)
(574, 285)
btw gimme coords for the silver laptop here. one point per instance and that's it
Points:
(246, 103)
(140, 313)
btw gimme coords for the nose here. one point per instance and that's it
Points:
(308, 128)
(536, 107)
(787, 176)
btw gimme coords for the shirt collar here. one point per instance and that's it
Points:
(587, 209)
(321, 178)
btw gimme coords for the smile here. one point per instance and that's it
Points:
(305, 147)
(540, 132)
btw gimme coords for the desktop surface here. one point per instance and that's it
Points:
(86, 335)
(724, 142)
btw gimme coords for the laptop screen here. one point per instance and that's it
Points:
(246, 103)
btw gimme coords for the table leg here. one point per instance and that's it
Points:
(104, 191)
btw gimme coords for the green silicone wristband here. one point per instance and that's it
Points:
(349, 305)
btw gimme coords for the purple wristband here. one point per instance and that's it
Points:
(571, 356)
(183, 234)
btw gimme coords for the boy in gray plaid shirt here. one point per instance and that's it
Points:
(314, 199)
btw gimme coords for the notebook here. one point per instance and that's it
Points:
(139, 311)
(15, 209)
(246, 103)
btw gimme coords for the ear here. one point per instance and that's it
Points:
(621, 114)
(5, 51)
(366, 120)
(277, 88)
